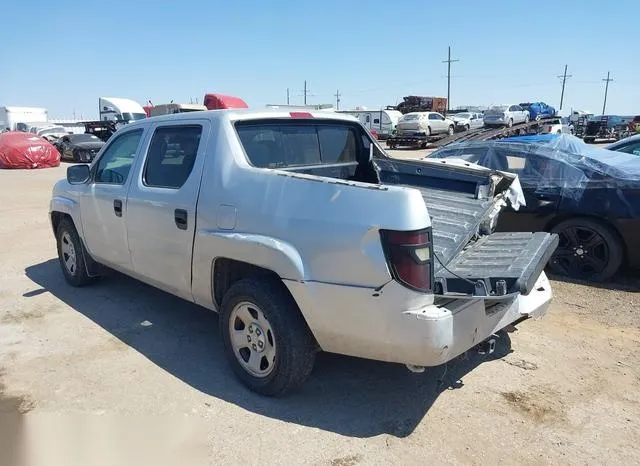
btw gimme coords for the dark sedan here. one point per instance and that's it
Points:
(78, 147)
(589, 197)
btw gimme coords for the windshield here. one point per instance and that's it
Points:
(498, 108)
(84, 138)
(131, 116)
(410, 116)
(460, 115)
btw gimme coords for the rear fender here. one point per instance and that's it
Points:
(263, 251)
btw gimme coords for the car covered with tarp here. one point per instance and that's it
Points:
(589, 196)
(25, 150)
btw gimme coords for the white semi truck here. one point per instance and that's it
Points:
(120, 110)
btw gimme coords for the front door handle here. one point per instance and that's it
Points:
(180, 217)
(117, 207)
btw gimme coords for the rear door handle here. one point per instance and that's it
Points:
(117, 207)
(180, 217)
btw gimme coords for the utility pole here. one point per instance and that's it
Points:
(306, 92)
(448, 61)
(606, 90)
(337, 96)
(287, 96)
(564, 80)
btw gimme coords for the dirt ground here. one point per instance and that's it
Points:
(96, 372)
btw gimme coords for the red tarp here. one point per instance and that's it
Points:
(219, 101)
(25, 150)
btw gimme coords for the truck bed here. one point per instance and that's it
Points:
(467, 262)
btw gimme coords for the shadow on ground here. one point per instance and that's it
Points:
(625, 280)
(349, 396)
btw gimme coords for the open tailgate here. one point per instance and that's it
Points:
(496, 266)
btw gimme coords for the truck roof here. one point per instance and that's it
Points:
(24, 109)
(247, 114)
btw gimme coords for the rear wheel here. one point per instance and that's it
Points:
(266, 340)
(588, 250)
(526, 119)
(428, 133)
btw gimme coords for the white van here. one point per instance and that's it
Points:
(382, 121)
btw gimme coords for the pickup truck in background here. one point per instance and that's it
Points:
(300, 231)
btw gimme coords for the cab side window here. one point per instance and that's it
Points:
(116, 161)
(172, 154)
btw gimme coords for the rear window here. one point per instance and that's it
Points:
(292, 144)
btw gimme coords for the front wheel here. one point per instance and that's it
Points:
(450, 131)
(510, 124)
(588, 250)
(526, 119)
(266, 339)
(70, 254)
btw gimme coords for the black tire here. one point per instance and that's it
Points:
(451, 130)
(526, 119)
(589, 140)
(467, 127)
(76, 275)
(428, 133)
(296, 348)
(588, 250)
(510, 123)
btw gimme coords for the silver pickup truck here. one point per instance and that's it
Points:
(300, 231)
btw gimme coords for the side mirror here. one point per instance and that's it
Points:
(78, 174)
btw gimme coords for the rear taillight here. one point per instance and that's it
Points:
(409, 256)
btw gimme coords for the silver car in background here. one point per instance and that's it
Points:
(467, 120)
(506, 115)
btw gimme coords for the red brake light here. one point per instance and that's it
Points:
(300, 115)
(409, 256)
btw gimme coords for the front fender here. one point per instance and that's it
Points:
(71, 207)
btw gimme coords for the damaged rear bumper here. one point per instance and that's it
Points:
(367, 323)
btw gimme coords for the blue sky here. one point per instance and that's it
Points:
(65, 54)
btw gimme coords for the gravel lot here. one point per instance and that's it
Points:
(85, 371)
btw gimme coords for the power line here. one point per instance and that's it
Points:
(564, 80)
(448, 61)
(337, 96)
(606, 90)
(287, 96)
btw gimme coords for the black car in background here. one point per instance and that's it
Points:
(78, 147)
(592, 201)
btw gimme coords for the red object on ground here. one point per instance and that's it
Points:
(219, 101)
(26, 150)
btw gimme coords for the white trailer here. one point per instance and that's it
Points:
(121, 110)
(382, 122)
(17, 118)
